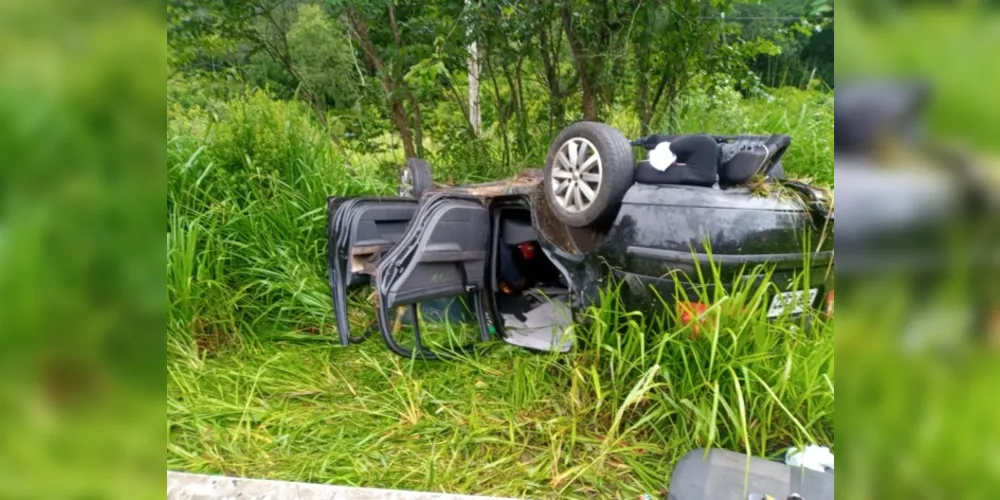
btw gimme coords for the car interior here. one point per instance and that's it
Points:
(708, 161)
(529, 292)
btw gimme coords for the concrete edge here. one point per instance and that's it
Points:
(188, 486)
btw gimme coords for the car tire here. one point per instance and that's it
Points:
(580, 189)
(414, 178)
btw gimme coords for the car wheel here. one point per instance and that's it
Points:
(415, 178)
(588, 169)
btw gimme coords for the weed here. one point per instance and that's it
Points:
(257, 387)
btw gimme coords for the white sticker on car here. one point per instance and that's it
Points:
(661, 156)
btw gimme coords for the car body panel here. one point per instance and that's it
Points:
(447, 257)
(654, 245)
(664, 234)
(661, 229)
(359, 231)
(442, 254)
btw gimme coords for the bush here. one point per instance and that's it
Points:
(247, 187)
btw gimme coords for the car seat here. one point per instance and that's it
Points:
(704, 160)
(751, 159)
(697, 161)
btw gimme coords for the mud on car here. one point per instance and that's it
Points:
(522, 258)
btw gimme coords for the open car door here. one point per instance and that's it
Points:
(359, 232)
(442, 255)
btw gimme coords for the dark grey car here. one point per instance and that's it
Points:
(652, 238)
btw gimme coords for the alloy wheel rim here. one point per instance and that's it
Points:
(576, 175)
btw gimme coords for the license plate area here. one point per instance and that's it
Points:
(792, 302)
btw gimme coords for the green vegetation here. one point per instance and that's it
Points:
(941, 47)
(257, 386)
(917, 376)
(609, 420)
(258, 137)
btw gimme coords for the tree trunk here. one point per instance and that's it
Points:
(656, 96)
(604, 85)
(399, 119)
(617, 75)
(584, 68)
(500, 111)
(475, 116)
(418, 129)
(515, 106)
(589, 105)
(360, 31)
(642, 86)
(460, 103)
(671, 100)
(523, 115)
(550, 58)
(519, 80)
(414, 111)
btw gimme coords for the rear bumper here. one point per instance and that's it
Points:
(649, 293)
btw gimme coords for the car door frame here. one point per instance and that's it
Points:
(423, 245)
(344, 220)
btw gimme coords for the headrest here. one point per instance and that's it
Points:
(742, 166)
(754, 155)
(515, 232)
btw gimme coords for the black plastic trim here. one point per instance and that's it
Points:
(780, 260)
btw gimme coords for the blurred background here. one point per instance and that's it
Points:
(82, 293)
(916, 138)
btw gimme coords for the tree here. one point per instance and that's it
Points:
(474, 67)
(547, 28)
(586, 25)
(323, 57)
(390, 77)
(504, 65)
(681, 41)
(802, 30)
(251, 28)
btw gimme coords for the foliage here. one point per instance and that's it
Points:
(275, 105)
(255, 174)
(803, 30)
(549, 62)
(609, 420)
(325, 59)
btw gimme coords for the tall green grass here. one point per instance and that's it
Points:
(257, 386)
(608, 419)
(246, 204)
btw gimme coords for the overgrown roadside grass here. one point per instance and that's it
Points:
(256, 386)
(609, 420)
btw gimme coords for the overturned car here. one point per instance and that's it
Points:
(526, 256)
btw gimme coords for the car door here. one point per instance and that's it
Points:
(443, 254)
(360, 231)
